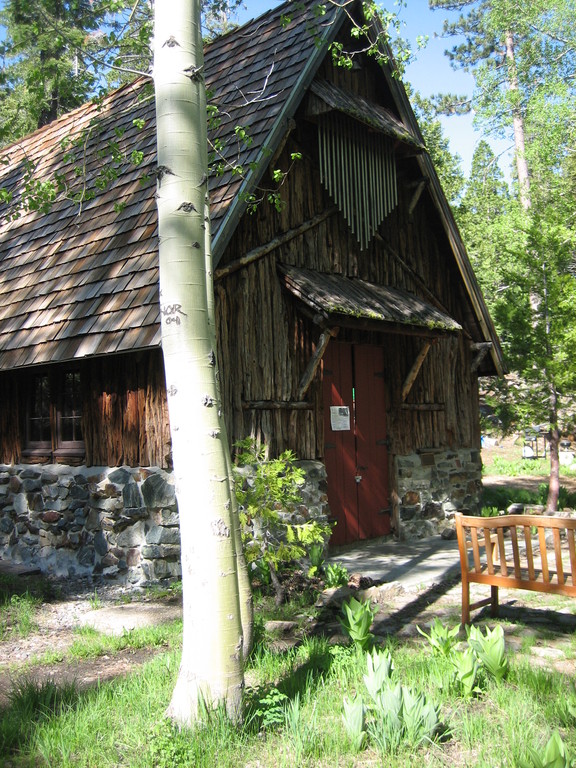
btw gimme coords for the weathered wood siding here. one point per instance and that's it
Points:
(124, 416)
(127, 416)
(265, 343)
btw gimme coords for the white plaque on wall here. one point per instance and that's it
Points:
(339, 418)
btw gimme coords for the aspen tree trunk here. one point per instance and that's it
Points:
(244, 587)
(537, 302)
(518, 126)
(211, 669)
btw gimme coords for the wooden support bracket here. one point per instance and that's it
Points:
(482, 348)
(315, 360)
(417, 195)
(263, 250)
(415, 370)
(276, 405)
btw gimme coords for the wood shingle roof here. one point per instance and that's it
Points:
(79, 277)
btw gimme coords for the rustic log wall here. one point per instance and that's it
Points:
(10, 437)
(265, 343)
(125, 415)
(126, 420)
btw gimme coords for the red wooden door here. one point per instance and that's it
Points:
(356, 451)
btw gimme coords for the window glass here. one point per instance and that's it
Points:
(39, 414)
(71, 409)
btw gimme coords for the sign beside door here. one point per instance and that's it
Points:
(356, 446)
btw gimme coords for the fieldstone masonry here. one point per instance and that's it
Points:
(120, 523)
(433, 486)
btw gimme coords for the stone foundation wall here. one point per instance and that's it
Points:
(432, 486)
(120, 523)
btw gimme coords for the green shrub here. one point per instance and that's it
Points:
(272, 488)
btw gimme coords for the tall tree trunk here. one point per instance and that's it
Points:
(535, 300)
(554, 433)
(244, 587)
(211, 670)
(518, 125)
(554, 440)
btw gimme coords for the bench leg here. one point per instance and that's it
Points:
(465, 602)
(494, 605)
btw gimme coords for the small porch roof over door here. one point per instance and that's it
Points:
(351, 302)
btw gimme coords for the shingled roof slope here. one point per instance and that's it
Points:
(80, 277)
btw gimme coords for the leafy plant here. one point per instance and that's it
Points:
(265, 493)
(465, 665)
(385, 728)
(402, 716)
(357, 617)
(490, 650)
(555, 755)
(379, 671)
(316, 557)
(419, 716)
(353, 717)
(335, 575)
(170, 746)
(398, 714)
(267, 709)
(441, 638)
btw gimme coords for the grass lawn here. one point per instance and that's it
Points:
(295, 701)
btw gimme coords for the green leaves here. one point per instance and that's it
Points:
(353, 718)
(484, 653)
(335, 575)
(465, 665)
(441, 638)
(268, 492)
(490, 650)
(357, 617)
(555, 755)
(379, 672)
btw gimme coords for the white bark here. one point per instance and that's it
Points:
(518, 125)
(211, 667)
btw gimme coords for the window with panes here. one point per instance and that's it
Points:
(54, 413)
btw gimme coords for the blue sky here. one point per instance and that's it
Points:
(430, 73)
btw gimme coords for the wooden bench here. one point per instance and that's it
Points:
(517, 552)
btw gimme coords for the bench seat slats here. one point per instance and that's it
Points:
(529, 552)
(558, 555)
(515, 552)
(543, 552)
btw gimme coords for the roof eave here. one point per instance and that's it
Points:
(447, 218)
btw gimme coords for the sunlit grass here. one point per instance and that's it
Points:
(122, 723)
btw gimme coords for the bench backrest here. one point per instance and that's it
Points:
(522, 551)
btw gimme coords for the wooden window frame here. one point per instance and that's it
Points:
(56, 449)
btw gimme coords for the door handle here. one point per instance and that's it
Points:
(358, 478)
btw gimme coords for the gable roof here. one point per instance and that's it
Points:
(80, 278)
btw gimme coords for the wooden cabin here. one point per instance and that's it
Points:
(351, 327)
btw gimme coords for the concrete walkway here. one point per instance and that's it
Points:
(413, 564)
